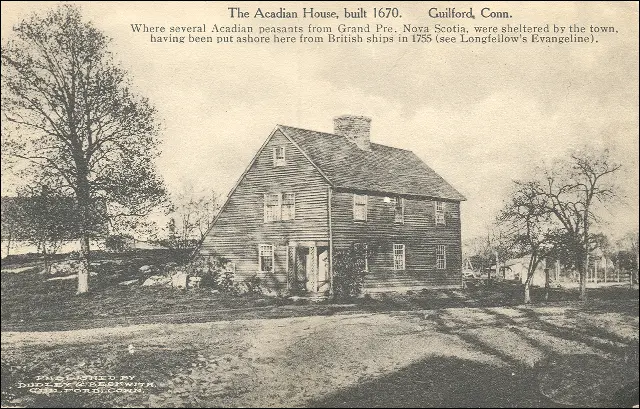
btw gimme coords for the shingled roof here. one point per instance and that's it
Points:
(381, 169)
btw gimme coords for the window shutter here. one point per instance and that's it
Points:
(264, 205)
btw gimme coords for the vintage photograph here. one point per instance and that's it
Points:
(319, 204)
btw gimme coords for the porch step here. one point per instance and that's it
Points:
(312, 297)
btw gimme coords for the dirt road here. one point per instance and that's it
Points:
(428, 358)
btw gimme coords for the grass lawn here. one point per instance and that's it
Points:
(31, 302)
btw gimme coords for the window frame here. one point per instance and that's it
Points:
(264, 251)
(397, 247)
(364, 205)
(439, 214)
(278, 211)
(441, 256)
(292, 214)
(395, 209)
(277, 214)
(279, 161)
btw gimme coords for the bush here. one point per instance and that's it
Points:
(349, 270)
(253, 285)
(118, 243)
(213, 272)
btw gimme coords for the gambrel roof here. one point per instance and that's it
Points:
(381, 169)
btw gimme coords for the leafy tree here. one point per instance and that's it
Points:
(47, 220)
(72, 121)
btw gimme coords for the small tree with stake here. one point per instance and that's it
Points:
(527, 223)
(71, 120)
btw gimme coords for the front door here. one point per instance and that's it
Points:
(308, 271)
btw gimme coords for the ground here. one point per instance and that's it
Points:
(453, 348)
(498, 356)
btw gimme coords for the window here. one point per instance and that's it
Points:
(359, 207)
(439, 207)
(278, 156)
(266, 258)
(399, 210)
(288, 206)
(279, 206)
(398, 256)
(271, 207)
(441, 257)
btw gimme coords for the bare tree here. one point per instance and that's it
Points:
(570, 191)
(527, 222)
(192, 214)
(73, 121)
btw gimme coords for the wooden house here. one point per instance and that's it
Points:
(307, 194)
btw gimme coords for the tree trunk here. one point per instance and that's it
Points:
(45, 257)
(583, 278)
(527, 293)
(547, 285)
(84, 203)
(83, 272)
(8, 244)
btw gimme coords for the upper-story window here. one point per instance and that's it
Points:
(399, 210)
(279, 158)
(271, 207)
(279, 206)
(359, 207)
(439, 213)
(288, 206)
(441, 257)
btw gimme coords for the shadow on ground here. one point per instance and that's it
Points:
(541, 364)
(443, 382)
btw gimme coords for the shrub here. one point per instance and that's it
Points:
(118, 243)
(253, 285)
(349, 270)
(213, 272)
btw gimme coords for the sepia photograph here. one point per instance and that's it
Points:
(319, 204)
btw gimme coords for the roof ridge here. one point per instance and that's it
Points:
(340, 136)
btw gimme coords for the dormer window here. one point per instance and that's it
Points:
(278, 156)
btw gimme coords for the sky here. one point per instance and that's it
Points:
(479, 115)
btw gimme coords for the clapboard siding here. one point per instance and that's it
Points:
(240, 227)
(418, 233)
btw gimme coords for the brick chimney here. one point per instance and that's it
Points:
(356, 128)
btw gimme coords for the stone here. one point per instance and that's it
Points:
(65, 267)
(145, 268)
(194, 282)
(156, 281)
(179, 280)
(129, 282)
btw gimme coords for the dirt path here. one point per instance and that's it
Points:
(326, 360)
